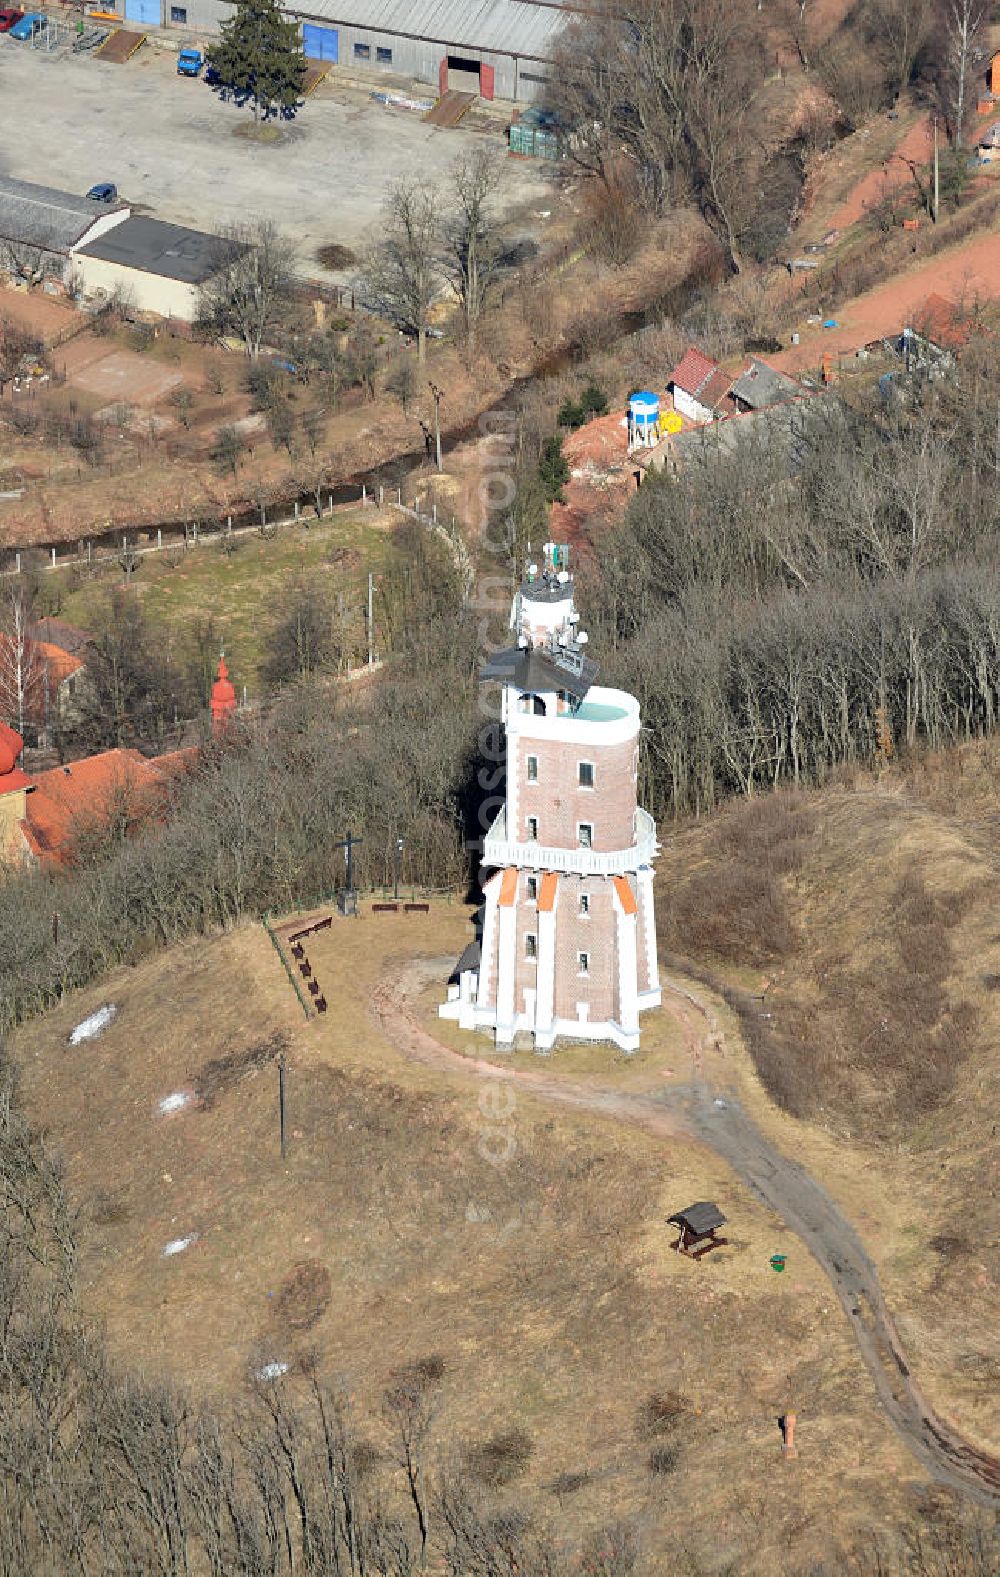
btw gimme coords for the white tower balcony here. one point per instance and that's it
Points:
(499, 850)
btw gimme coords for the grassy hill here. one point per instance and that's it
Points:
(590, 1378)
(854, 931)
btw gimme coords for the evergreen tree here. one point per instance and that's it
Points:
(259, 57)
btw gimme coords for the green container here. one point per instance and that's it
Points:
(778, 1262)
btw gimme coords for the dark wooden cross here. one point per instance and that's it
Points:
(349, 844)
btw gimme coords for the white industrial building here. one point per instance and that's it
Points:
(495, 48)
(154, 266)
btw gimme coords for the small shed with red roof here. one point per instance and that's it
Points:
(698, 385)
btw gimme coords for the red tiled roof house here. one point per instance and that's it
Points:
(698, 386)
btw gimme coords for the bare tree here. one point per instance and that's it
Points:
(964, 21)
(410, 1403)
(245, 294)
(401, 272)
(22, 666)
(903, 26)
(669, 85)
(15, 344)
(471, 246)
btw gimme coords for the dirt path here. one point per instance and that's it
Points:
(967, 275)
(696, 1110)
(915, 147)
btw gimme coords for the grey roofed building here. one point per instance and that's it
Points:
(152, 246)
(785, 429)
(52, 221)
(515, 27)
(760, 386)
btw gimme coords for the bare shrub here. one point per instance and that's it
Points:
(569, 1484)
(663, 1460)
(500, 1459)
(661, 1412)
(303, 1295)
(336, 257)
(224, 1073)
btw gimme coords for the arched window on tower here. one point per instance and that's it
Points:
(539, 707)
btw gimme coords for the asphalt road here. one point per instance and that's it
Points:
(171, 145)
(782, 1184)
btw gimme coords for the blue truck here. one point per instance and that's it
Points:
(189, 63)
(28, 26)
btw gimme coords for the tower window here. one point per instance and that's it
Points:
(584, 903)
(531, 945)
(532, 769)
(583, 963)
(539, 706)
(586, 771)
(585, 834)
(532, 829)
(532, 888)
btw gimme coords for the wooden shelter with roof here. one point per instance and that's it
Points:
(697, 1228)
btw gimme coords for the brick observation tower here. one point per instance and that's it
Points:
(568, 944)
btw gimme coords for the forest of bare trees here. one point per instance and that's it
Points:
(776, 627)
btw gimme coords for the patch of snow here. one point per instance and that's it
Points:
(720, 1102)
(178, 1245)
(175, 1102)
(271, 1371)
(94, 1024)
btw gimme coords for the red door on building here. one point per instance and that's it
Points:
(486, 80)
(443, 76)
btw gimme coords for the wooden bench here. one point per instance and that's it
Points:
(308, 930)
(416, 908)
(385, 908)
(320, 1004)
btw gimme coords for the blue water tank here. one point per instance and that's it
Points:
(643, 410)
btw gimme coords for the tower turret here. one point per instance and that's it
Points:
(223, 701)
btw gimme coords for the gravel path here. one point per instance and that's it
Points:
(696, 1110)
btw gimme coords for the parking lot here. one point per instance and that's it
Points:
(171, 145)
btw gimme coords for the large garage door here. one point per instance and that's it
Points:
(321, 43)
(145, 11)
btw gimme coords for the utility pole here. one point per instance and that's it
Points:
(937, 173)
(371, 619)
(437, 393)
(396, 864)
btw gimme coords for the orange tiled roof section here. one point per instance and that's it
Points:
(547, 892)
(86, 788)
(942, 322)
(693, 371)
(60, 664)
(508, 887)
(11, 776)
(625, 895)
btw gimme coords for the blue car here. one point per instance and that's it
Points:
(103, 192)
(28, 26)
(189, 63)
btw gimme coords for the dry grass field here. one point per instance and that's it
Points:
(869, 912)
(420, 1212)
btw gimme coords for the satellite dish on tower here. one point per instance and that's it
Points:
(582, 638)
(563, 577)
